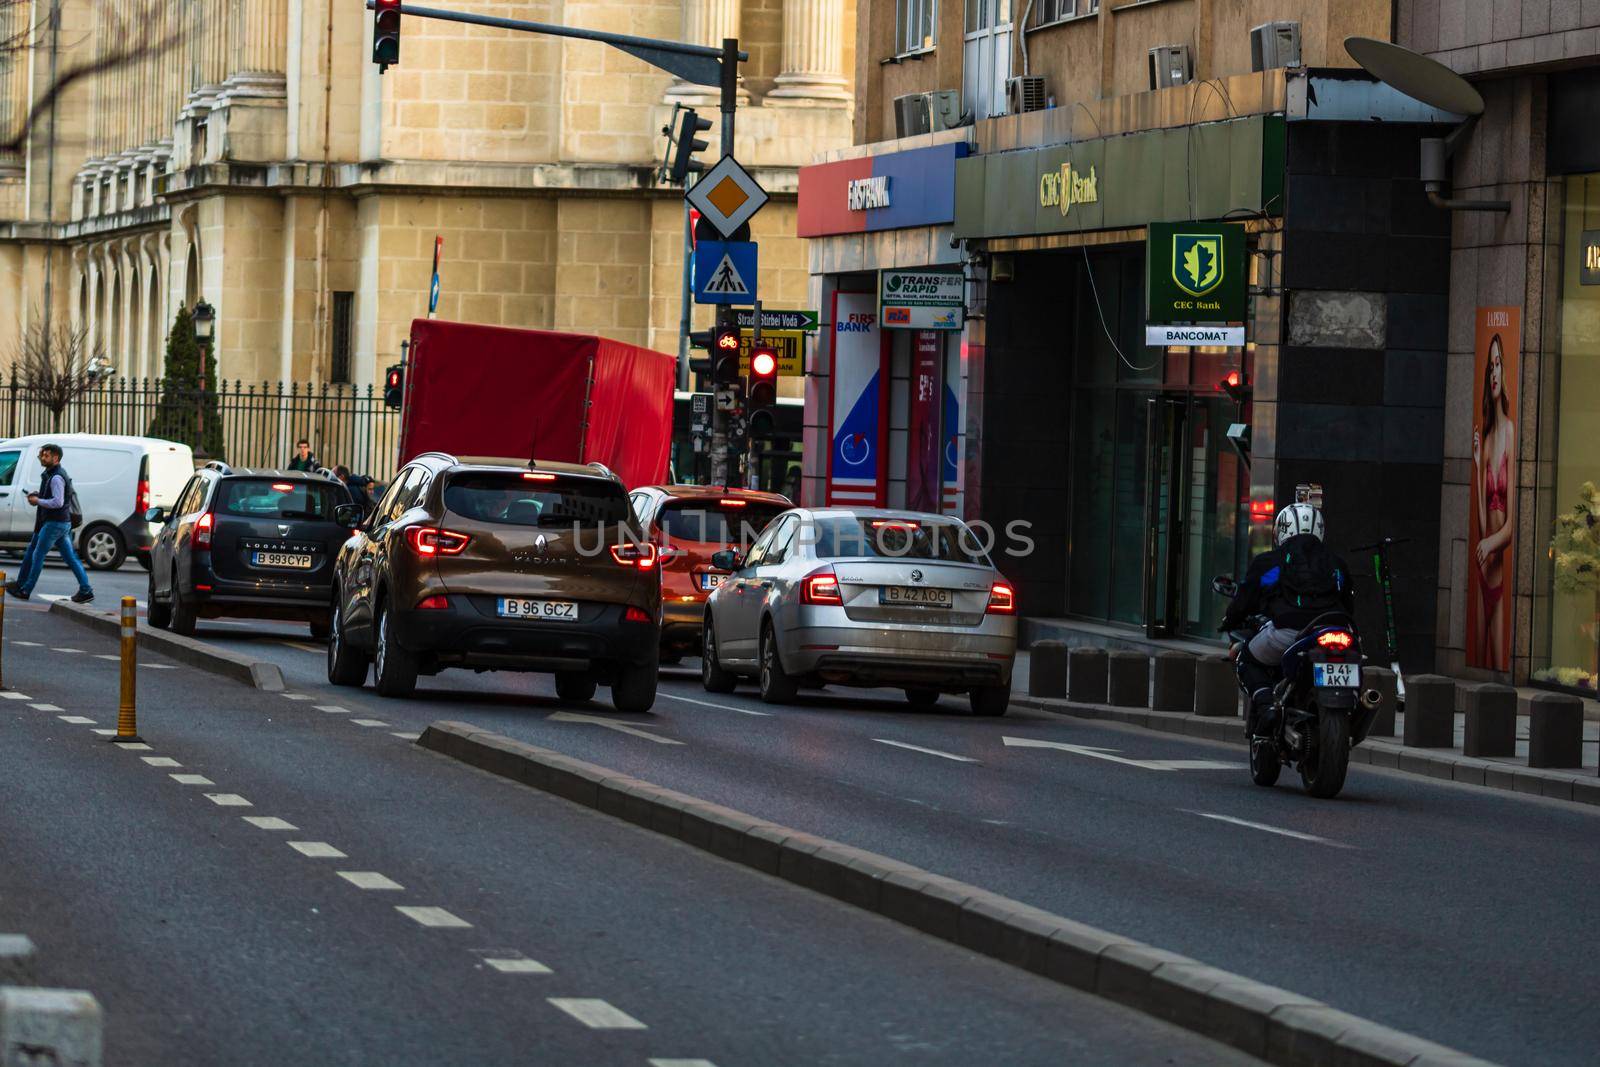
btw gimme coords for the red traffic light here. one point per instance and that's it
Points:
(763, 362)
(394, 378)
(1233, 379)
(1236, 385)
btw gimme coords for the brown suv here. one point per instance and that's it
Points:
(495, 566)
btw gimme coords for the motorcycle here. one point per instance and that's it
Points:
(1319, 710)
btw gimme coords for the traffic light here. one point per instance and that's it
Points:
(725, 354)
(385, 33)
(686, 144)
(1236, 385)
(763, 396)
(394, 384)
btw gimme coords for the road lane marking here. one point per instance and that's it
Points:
(269, 822)
(404, 736)
(11, 695)
(657, 1061)
(928, 751)
(133, 746)
(28, 644)
(332, 709)
(76, 720)
(611, 724)
(1296, 834)
(516, 965)
(161, 761)
(159, 666)
(191, 779)
(307, 648)
(369, 880)
(109, 732)
(69, 651)
(432, 917)
(597, 1014)
(46, 707)
(223, 800)
(297, 696)
(711, 704)
(1110, 755)
(107, 655)
(317, 850)
(369, 722)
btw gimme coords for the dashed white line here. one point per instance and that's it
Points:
(297, 696)
(317, 850)
(76, 720)
(659, 1062)
(137, 746)
(710, 704)
(68, 651)
(191, 779)
(369, 722)
(28, 644)
(432, 916)
(927, 751)
(224, 800)
(332, 709)
(517, 965)
(404, 736)
(1279, 830)
(161, 761)
(314, 650)
(46, 707)
(269, 822)
(369, 880)
(13, 695)
(597, 1014)
(107, 655)
(157, 666)
(107, 732)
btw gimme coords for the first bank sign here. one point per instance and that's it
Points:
(894, 191)
(864, 194)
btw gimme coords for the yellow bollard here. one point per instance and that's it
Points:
(127, 713)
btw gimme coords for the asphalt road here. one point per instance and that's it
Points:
(1462, 915)
(325, 892)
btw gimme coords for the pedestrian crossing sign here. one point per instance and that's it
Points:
(725, 272)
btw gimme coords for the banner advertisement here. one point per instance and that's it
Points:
(857, 405)
(923, 459)
(930, 299)
(1491, 526)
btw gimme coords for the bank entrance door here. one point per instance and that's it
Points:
(1165, 492)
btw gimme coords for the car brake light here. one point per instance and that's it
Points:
(432, 541)
(730, 503)
(1002, 601)
(141, 498)
(896, 524)
(283, 487)
(538, 476)
(1335, 640)
(634, 614)
(668, 554)
(202, 530)
(641, 554)
(436, 602)
(821, 588)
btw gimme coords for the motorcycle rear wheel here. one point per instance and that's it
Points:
(1323, 770)
(1264, 763)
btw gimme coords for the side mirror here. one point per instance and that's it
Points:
(725, 560)
(347, 515)
(1223, 585)
(155, 515)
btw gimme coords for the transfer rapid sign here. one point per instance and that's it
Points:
(928, 299)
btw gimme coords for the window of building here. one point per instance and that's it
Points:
(1049, 11)
(916, 25)
(343, 313)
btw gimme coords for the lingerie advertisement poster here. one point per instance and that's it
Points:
(1491, 528)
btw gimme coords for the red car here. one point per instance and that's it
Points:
(688, 523)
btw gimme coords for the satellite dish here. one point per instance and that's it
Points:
(1417, 76)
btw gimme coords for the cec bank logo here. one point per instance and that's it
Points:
(1197, 262)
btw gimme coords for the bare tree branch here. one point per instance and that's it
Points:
(56, 365)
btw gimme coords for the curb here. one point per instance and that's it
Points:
(54, 1026)
(16, 961)
(252, 672)
(1270, 1023)
(1575, 787)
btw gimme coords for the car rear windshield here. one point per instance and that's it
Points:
(727, 524)
(262, 498)
(524, 500)
(846, 537)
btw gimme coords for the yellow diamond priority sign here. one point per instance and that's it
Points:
(727, 196)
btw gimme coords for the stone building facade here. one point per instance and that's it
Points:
(255, 158)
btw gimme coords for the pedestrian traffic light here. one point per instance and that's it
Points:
(1236, 385)
(763, 394)
(385, 33)
(686, 145)
(394, 383)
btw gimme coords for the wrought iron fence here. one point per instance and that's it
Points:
(259, 423)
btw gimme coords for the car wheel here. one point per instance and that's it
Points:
(346, 665)
(776, 686)
(103, 549)
(634, 689)
(922, 698)
(575, 687)
(159, 614)
(990, 699)
(712, 676)
(183, 615)
(394, 670)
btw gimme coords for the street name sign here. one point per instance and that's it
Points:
(726, 196)
(725, 272)
(773, 319)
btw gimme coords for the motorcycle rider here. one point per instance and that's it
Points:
(1291, 584)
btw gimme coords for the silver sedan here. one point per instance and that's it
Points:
(868, 597)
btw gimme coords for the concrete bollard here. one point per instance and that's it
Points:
(1128, 679)
(49, 1026)
(1555, 730)
(1491, 721)
(1216, 688)
(1047, 670)
(16, 960)
(1086, 683)
(1382, 679)
(1174, 684)
(1430, 712)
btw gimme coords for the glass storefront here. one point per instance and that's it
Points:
(1566, 615)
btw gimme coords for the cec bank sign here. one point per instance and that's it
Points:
(929, 299)
(1195, 272)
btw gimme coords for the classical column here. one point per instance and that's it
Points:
(706, 22)
(91, 326)
(813, 55)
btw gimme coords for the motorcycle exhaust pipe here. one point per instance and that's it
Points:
(1371, 698)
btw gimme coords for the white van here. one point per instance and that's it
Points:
(117, 479)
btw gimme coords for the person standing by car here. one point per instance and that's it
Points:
(52, 529)
(357, 484)
(303, 459)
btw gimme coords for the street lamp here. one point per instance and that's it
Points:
(205, 325)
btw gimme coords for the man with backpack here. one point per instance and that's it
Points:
(58, 514)
(1291, 585)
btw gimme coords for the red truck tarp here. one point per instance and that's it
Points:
(474, 390)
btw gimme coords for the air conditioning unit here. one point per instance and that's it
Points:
(1025, 93)
(1170, 65)
(1275, 44)
(910, 114)
(944, 109)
